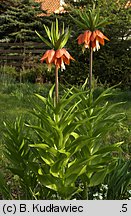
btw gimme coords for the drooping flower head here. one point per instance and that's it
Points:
(59, 58)
(90, 23)
(57, 55)
(92, 39)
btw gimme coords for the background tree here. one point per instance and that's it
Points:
(114, 63)
(19, 20)
(5, 4)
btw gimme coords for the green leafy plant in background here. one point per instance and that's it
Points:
(119, 181)
(18, 154)
(4, 188)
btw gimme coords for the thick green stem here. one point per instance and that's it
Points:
(56, 85)
(85, 191)
(90, 68)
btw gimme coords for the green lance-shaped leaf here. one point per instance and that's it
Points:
(57, 30)
(40, 145)
(105, 94)
(59, 166)
(63, 28)
(56, 40)
(89, 19)
(79, 23)
(43, 99)
(61, 42)
(49, 181)
(78, 167)
(48, 32)
(96, 18)
(58, 44)
(52, 34)
(102, 23)
(118, 180)
(44, 40)
(67, 192)
(47, 157)
(98, 177)
(66, 101)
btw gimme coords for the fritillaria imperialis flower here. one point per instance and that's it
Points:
(57, 55)
(59, 58)
(92, 39)
(90, 22)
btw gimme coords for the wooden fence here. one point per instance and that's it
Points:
(24, 54)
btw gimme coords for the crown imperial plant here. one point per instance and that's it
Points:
(57, 55)
(92, 37)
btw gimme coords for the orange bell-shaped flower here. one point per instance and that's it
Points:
(62, 57)
(49, 58)
(59, 58)
(92, 39)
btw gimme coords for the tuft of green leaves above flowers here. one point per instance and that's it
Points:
(56, 39)
(89, 19)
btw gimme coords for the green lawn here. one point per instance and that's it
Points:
(16, 99)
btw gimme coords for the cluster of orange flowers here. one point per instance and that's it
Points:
(61, 57)
(92, 39)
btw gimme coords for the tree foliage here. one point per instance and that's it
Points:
(19, 20)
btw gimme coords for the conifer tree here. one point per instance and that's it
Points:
(19, 20)
(5, 4)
